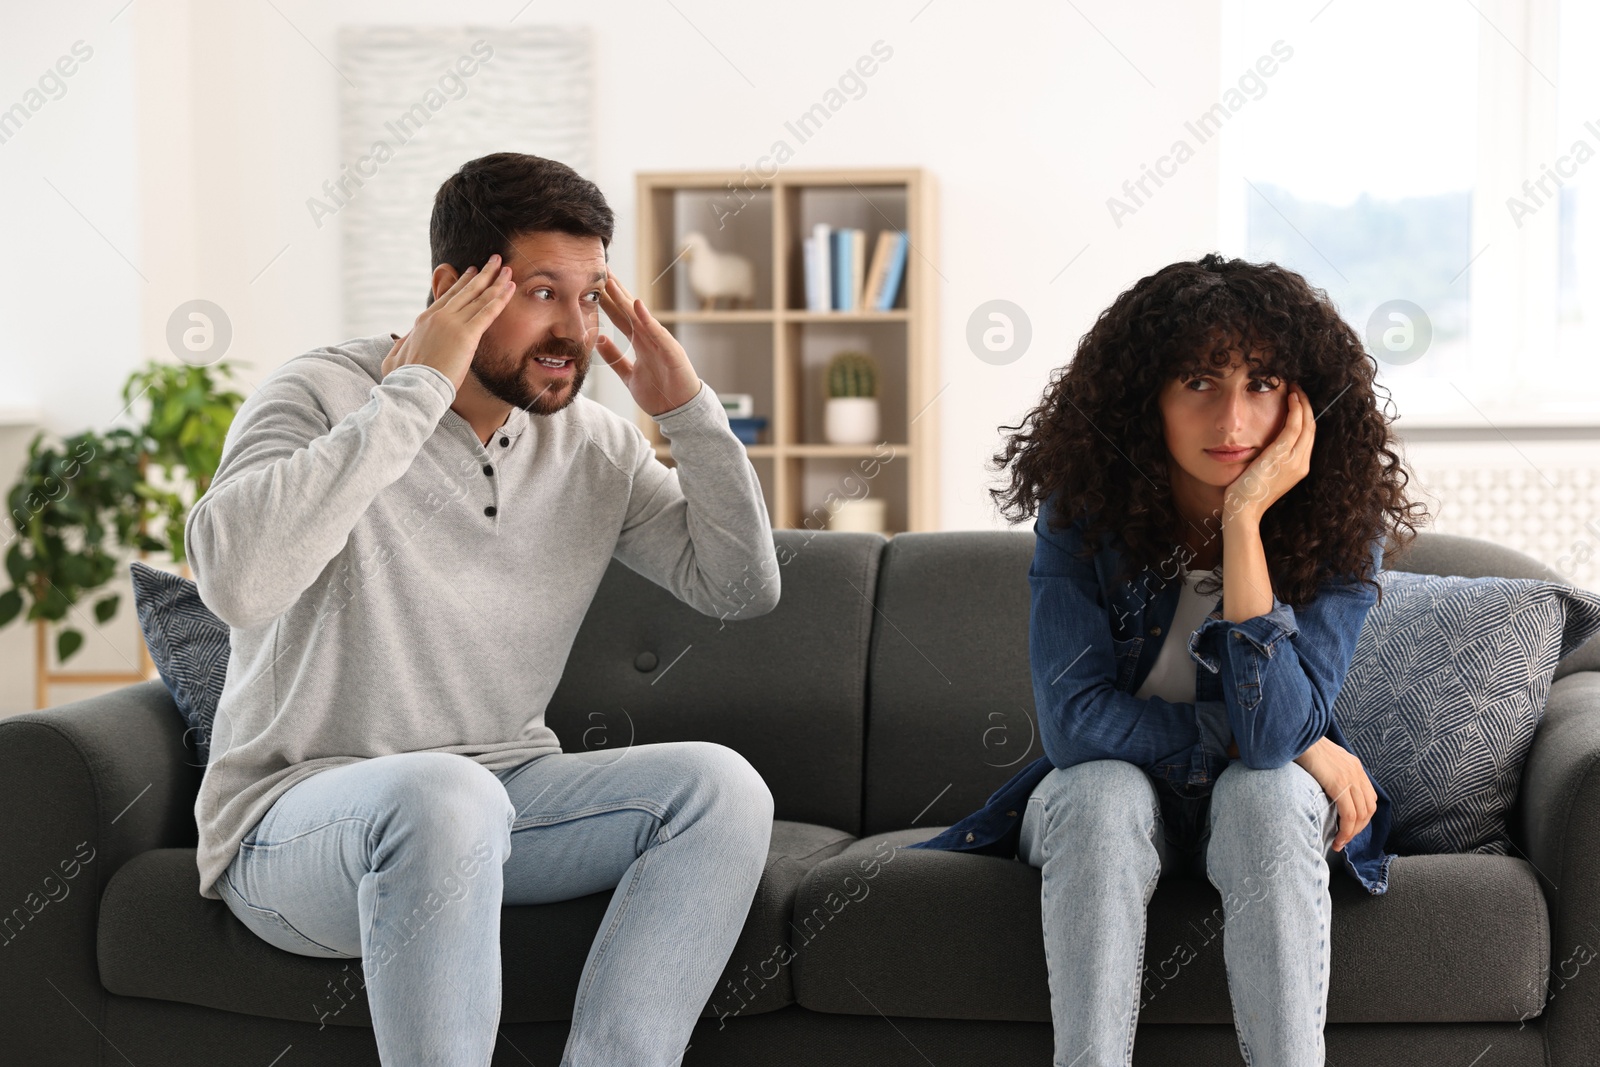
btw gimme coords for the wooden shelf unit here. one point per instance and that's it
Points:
(777, 350)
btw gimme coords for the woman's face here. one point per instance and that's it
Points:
(1216, 411)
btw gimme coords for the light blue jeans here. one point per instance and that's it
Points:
(403, 861)
(1103, 832)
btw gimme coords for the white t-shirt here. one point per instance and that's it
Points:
(1172, 675)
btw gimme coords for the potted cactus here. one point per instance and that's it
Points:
(850, 416)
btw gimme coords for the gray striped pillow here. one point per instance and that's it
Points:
(1448, 684)
(188, 644)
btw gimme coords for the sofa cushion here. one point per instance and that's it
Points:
(949, 935)
(786, 690)
(1474, 557)
(188, 644)
(949, 688)
(159, 938)
(1447, 686)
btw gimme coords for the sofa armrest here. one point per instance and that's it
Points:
(84, 787)
(1558, 822)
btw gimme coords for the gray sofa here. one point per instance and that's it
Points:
(885, 697)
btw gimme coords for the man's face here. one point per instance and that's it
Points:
(554, 313)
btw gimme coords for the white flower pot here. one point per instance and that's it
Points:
(861, 516)
(850, 420)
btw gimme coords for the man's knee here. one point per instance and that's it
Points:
(449, 794)
(726, 778)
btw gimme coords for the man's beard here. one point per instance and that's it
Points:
(506, 377)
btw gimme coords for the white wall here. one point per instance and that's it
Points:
(193, 136)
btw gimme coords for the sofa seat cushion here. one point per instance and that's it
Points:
(1457, 938)
(159, 938)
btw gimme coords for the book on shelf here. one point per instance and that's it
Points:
(819, 278)
(838, 276)
(847, 267)
(894, 270)
(858, 268)
(879, 272)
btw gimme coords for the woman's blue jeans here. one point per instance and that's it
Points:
(1103, 832)
(404, 861)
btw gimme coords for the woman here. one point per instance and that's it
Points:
(1217, 432)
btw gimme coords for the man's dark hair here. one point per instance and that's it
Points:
(493, 198)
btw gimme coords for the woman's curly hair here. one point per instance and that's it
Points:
(1178, 322)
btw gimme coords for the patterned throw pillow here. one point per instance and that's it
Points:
(188, 644)
(1448, 684)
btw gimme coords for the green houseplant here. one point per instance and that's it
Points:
(850, 416)
(78, 506)
(852, 373)
(188, 420)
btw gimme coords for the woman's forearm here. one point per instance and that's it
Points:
(1246, 582)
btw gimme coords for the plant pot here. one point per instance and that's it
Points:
(861, 516)
(850, 420)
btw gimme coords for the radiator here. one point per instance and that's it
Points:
(1536, 496)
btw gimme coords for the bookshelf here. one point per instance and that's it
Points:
(775, 349)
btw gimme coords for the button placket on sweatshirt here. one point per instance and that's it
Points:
(482, 466)
(492, 484)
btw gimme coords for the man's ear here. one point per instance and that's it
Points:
(444, 276)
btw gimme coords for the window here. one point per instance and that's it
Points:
(1577, 156)
(1388, 163)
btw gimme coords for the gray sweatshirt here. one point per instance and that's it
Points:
(394, 585)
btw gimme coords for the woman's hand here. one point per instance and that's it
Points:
(1279, 466)
(1342, 776)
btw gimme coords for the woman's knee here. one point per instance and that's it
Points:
(1099, 796)
(1260, 817)
(1250, 797)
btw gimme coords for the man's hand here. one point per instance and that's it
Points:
(1345, 781)
(659, 377)
(447, 332)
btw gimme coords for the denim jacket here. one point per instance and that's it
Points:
(1267, 683)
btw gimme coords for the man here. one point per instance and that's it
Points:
(404, 537)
